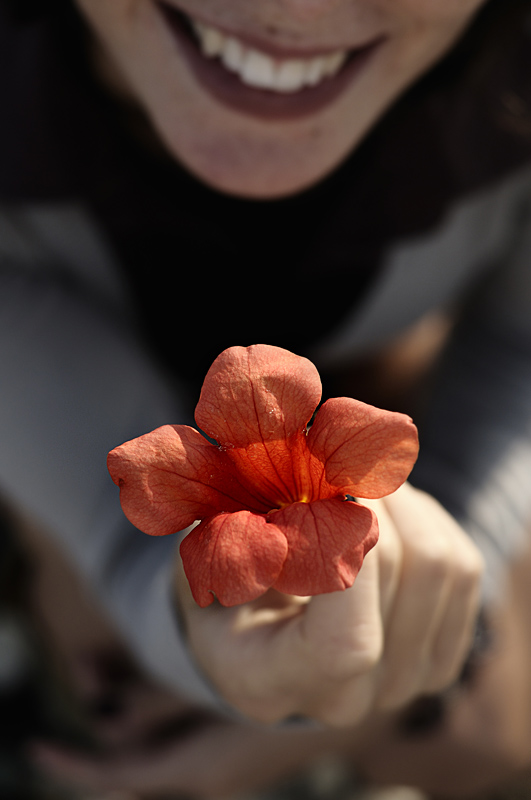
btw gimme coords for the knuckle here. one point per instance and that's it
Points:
(397, 692)
(444, 675)
(343, 660)
(432, 558)
(368, 657)
(436, 569)
(268, 709)
(466, 583)
(472, 565)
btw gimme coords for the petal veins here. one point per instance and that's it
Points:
(233, 557)
(327, 540)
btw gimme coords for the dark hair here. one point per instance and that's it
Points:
(496, 25)
(29, 9)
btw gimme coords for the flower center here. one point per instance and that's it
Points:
(303, 499)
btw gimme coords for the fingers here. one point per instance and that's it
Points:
(341, 642)
(332, 651)
(283, 656)
(341, 633)
(453, 640)
(403, 628)
(429, 630)
(389, 551)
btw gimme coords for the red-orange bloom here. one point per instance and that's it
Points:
(272, 495)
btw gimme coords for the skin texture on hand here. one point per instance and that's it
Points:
(403, 629)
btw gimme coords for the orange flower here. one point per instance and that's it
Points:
(274, 497)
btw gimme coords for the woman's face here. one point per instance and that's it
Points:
(262, 98)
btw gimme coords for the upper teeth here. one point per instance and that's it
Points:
(256, 68)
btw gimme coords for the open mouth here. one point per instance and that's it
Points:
(260, 83)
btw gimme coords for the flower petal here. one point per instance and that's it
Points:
(367, 452)
(279, 472)
(173, 476)
(233, 557)
(257, 394)
(327, 542)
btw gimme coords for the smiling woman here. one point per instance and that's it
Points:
(209, 118)
(182, 178)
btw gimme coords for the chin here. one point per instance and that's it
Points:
(263, 185)
(260, 169)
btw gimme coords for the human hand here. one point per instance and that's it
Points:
(430, 590)
(483, 742)
(403, 629)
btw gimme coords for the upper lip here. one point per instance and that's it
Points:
(274, 49)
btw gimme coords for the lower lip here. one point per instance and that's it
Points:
(228, 89)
